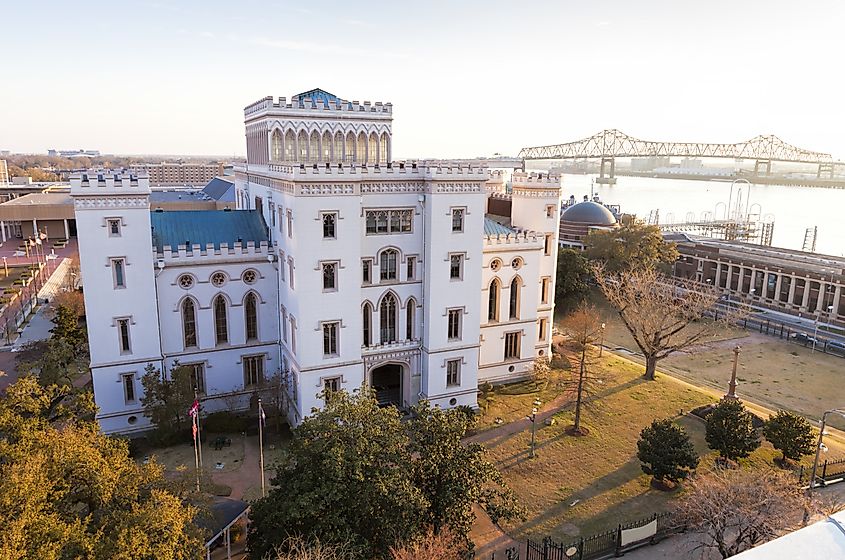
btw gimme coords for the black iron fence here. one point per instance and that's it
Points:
(614, 542)
(827, 472)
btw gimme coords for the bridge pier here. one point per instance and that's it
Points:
(763, 163)
(825, 171)
(607, 179)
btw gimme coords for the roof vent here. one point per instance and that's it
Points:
(159, 209)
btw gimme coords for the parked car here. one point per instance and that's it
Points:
(835, 347)
(803, 338)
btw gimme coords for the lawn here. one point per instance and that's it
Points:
(583, 485)
(772, 372)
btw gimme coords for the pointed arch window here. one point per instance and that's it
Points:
(367, 316)
(384, 149)
(314, 148)
(350, 148)
(410, 319)
(189, 323)
(361, 149)
(387, 318)
(493, 301)
(338, 147)
(387, 264)
(514, 298)
(251, 316)
(290, 146)
(276, 152)
(372, 149)
(221, 326)
(302, 147)
(327, 147)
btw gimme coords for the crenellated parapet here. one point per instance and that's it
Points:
(307, 105)
(192, 253)
(517, 238)
(98, 189)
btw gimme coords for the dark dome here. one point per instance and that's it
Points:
(591, 213)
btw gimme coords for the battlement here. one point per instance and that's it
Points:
(247, 250)
(309, 105)
(523, 179)
(519, 237)
(434, 169)
(110, 182)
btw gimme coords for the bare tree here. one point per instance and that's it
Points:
(662, 314)
(297, 548)
(734, 510)
(431, 546)
(583, 327)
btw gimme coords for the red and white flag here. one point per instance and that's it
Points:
(195, 408)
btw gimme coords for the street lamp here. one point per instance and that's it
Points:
(820, 446)
(816, 329)
(601, 340)
(533, 419)
(731, 394)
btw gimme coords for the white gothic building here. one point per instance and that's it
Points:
(339, 268)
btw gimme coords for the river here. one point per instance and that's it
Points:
(793, 209)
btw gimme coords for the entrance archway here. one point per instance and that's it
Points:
(386, 381)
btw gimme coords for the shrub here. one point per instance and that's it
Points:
(730, 430)
(666, 451)
(790, 433)
(224, 422)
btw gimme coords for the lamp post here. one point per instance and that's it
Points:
(816, 329)
(820, 446)
(533, 419)
(601, 340)
(731, 394)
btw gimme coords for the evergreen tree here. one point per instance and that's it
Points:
(790, 433)
(166, 401)
(666, 451)
(730, 430)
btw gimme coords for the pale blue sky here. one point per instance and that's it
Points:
(466, 78)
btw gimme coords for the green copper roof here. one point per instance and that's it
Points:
(201, 227)
(492, 227)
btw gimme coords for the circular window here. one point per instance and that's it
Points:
(218, 279)
(250, 276)
(186, 281)
(495, 265)
(453, 401)
(542, 352)
(132, 419)
(516, 263)
(510, 369)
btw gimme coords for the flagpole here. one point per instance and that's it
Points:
(196, 453)
(261, 444)
(199, 435)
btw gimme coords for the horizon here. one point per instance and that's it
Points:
(722, 74)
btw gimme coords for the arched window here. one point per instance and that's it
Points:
(516, 284)
(368, 324)
(384, 148)
(314, 148)
(493, 302)
(327, 147)
(410, 319)
(350, 148)
(387, 264)
(361, 149)
(251, 317)
(221, 327)
(189, 323)
(338, 147)
(302, 147)
(372, 149)
(290, 146)
(276, 146)
(387, 318)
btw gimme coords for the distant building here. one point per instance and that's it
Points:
(785, 280)
(178, 174)
(580, 219)
(4, 173)
(73, 153)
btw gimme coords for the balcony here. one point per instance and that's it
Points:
(399, 345)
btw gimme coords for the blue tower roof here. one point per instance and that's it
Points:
(317, 94)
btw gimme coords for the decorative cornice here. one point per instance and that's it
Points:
(96, 202)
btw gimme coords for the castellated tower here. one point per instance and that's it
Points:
(113, 220)
(318, 127)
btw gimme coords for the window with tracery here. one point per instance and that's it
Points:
(387, 264)
(251, 317)
(387, 318)
(221, 326)
(189, 323)
(389, 221)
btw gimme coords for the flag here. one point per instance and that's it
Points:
(194, 429)
(195, 408)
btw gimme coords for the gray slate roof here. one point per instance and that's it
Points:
(588, 212)
(202, 227)
(492, 227)
(220, 189)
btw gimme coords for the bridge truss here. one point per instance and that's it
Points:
(614, 143)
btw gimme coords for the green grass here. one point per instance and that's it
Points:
(600, 470)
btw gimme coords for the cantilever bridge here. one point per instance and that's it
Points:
(610, 144)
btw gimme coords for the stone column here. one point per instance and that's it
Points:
(3, 230)
(805, 295)
(792, 290)
(67, 230)
(751, 284)
(837, 295)
(34, 227)
(740, 280)
(820, 304)
(778, 287)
